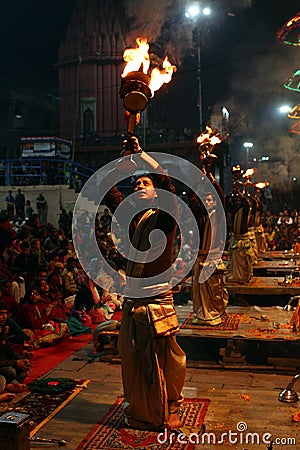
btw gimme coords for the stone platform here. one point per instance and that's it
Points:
(263, 338)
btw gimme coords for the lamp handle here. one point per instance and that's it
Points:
(131, 124)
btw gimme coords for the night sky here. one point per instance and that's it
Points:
(243, 66)
(30, 33)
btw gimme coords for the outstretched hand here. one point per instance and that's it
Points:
(130, 145)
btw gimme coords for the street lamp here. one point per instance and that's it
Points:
(193, 12)
(284, 109)
(247, 146)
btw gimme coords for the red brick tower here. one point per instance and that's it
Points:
(90, 64)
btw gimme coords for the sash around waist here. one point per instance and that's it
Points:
(161, 313)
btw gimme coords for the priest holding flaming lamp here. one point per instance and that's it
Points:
(237, 206)
(259, 229)
(210, 296)
(153, 364)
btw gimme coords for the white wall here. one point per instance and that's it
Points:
(55, 195)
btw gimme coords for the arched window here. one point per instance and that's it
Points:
(88, 121)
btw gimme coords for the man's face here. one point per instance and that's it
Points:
(35, 296)
(209, 202)
(145, 190)
(43, 286)
(59, 269)
(3, 317)
(6, 288)
(42, 275)
(71, 265)
(36, 245)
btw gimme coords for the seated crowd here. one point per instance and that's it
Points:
(45, 295)
(281, 231)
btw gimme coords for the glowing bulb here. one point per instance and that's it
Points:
(284, 109)
(192, 11)
(206, 11)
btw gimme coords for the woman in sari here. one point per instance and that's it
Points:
(35, 315)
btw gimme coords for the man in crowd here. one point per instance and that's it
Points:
(210, 296)
(10, 204)
(42, 209)
(20, 204)
(13, 367)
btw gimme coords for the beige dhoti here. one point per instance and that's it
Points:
(239, 268)
(261, 239)
(153, 364)
(210, 297)
(253, 245)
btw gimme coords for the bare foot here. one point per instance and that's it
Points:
(7, 397)
(16, 387)
(174, 421)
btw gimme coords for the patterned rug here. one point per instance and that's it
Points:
(230, 324)
(43, 404)
(111, 432)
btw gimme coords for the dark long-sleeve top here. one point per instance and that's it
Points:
(237, 210)
(165, 222)
(259, 212)
(252, 210)
(35, 262)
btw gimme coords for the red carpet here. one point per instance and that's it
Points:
(44, 359)
(47, 358)
(230, 324)
(43, 405)
(111, 433)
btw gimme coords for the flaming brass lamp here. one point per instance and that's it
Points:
(136, 94)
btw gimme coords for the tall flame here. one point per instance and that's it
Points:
(159, 77)
(208, 138)
(261, 185)
(138, 58)
(248, 173)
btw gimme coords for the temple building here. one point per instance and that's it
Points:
(90, 63)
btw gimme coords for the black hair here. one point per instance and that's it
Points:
(151, 176)
(207, 193)
(3, 307)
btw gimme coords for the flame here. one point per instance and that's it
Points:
(208, 138)
(159, 77)
(248, 173)
(261, 185)
(138, 58)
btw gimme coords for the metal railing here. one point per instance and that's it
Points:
(35, 171)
